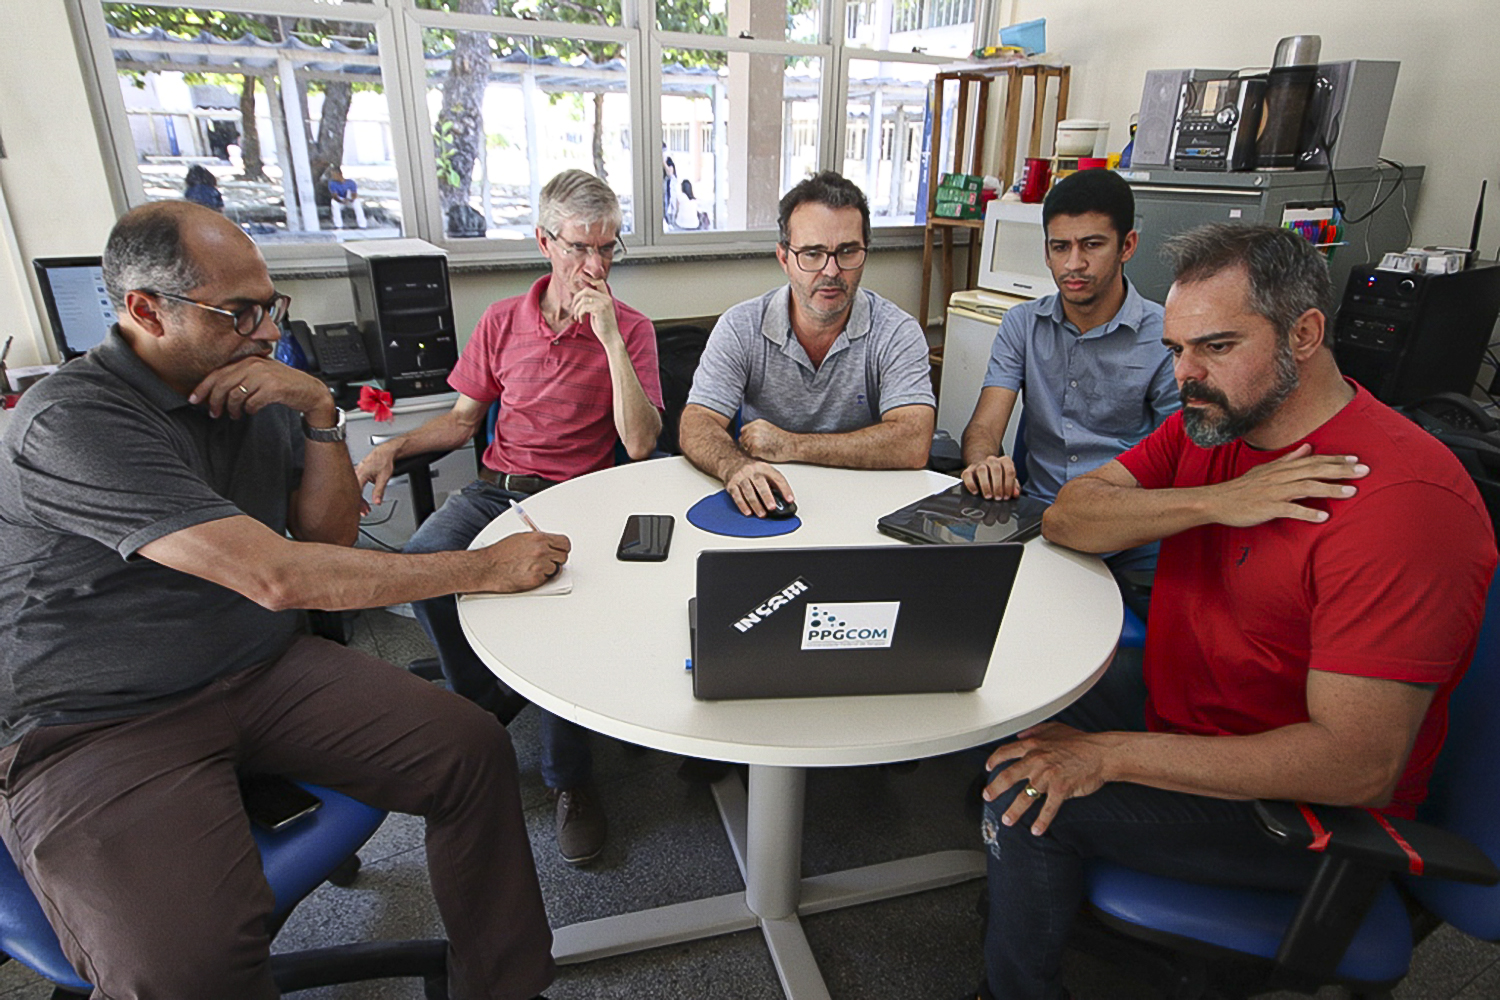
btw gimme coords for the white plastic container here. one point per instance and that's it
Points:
(1081, 137)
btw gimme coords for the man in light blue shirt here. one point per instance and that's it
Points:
(1090, 358)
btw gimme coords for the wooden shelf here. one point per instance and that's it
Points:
(974, 86)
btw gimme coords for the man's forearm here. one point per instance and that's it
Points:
(327, 503)
(980, 443)
(442, 433)
(886, 445)
(1091, 515)
(709, 446)
(637, 420)
(1302, 762)
(328, 578)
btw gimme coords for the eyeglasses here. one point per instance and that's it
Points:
(246, 320)
(848, 257)
(578, 251)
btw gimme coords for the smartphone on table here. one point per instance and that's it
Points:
(647, 538)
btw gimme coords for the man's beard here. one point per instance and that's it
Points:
(827, 315)
(1209, 428)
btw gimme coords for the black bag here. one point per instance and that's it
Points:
(1471, 434)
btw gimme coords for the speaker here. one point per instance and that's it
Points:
(405, 313)
(1348, 114)
(1407, 336)
(1158, 116)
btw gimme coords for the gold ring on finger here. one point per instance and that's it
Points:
(242, 388)
(1032, 791)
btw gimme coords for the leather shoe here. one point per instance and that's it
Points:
(581, 826)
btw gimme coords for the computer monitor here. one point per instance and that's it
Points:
(78, 307)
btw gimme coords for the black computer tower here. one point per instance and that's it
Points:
(1407, 336)
(405, 313)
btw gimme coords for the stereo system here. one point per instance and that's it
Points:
(1208, 119)
(1406, 336)
(405, 313)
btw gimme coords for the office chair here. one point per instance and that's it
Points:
(296, 860)
(1358, 922)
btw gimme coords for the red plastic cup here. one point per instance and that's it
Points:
(1092, 163)
(1036, 179)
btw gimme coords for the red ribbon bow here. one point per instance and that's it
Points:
(376, 401)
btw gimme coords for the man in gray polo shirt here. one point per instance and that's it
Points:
(149, 652)
(820, 370)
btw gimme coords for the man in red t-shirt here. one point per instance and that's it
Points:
(1323, 571)
(574, 371)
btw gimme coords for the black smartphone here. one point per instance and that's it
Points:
(275, 803)
(647, 538)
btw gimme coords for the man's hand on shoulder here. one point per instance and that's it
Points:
(523, 561)
(994, 478)
(1271, 491)
(764, 440)
(249, 385)
(749, 487)
(595, 301)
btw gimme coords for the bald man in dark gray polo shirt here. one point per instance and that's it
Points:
(149, 653)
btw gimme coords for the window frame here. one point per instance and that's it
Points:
(398, 27)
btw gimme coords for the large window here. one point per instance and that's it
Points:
(448, 116)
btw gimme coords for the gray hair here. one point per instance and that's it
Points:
(1287, 274)
(578, 196)
(145, 251)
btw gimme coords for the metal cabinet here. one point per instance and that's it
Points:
(1168, 202)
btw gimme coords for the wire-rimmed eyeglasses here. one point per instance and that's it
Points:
(609, 251)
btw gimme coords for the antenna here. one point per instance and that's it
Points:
(1478, 219)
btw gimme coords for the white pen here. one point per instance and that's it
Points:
(529, 522)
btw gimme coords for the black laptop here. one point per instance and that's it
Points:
(887, 619)
(957, 516)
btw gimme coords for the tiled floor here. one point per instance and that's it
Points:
(666, 846)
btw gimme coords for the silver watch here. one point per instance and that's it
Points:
(324, 435)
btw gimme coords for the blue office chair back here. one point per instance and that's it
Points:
(1464, 793)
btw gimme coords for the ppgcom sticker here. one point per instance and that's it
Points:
(867, 625)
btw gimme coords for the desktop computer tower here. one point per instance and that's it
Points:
(405, 313)
(1406, 336)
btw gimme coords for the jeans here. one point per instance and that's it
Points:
(1037, 884)
(567, 761)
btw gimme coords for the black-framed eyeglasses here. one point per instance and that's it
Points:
(847, 257)
(246, 320)
(578, 251)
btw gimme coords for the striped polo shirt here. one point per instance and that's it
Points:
(556, 405)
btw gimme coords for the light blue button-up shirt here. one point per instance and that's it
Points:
(1088, 395)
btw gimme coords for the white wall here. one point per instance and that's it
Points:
(1443, 116)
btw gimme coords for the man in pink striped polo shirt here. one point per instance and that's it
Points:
(574, 371)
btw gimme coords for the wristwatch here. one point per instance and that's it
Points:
(324, 435)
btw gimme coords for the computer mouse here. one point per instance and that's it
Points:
(784, 508)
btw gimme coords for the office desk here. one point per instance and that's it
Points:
(611, 654)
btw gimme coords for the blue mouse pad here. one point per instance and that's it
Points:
(717, 513)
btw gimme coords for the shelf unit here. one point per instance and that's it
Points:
(967, 154)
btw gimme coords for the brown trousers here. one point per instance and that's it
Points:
(133, 836)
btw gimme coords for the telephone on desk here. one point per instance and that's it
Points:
(336, 351)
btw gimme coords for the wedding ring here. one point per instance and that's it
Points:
(1032, 791)
(243, 389)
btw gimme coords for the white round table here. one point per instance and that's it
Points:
(611, 656)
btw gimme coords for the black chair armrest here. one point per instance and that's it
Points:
(1357, 835)
(418, 472)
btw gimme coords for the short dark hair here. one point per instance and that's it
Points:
(1086, 191)
(145, 250)
(828, 188)
(1287, 274)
